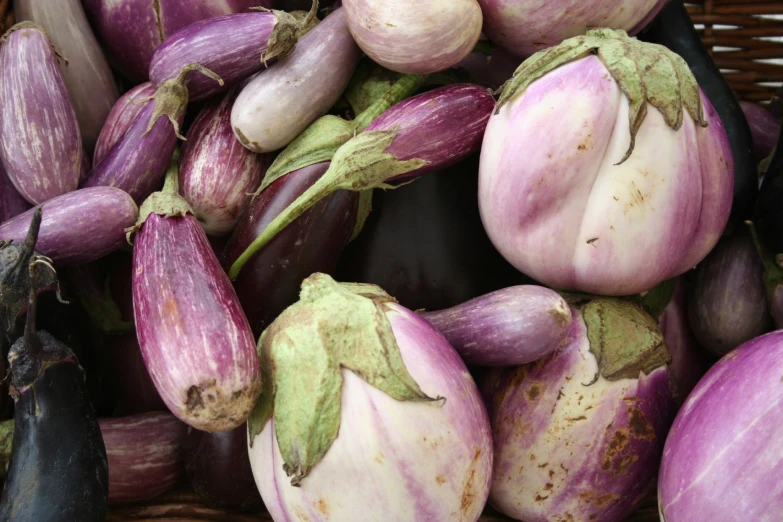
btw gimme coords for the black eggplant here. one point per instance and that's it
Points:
(58, 470)
(673, 28)
(768, 216)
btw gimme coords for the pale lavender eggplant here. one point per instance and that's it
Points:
(724, 453)
(508, 327)
(764, 127)
(570, 444)
(87, 75)
(145, 454)
(232, 58)
(415, 37)
(137, 162)
(281, 102)
(217, 174)
(526, 26)
(727, 304)
(11, 202)
(78, 227)
(39, 136)
(131, 30)
(120, 119)
(194, 337)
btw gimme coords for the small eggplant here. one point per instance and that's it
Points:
(195, 339)
(508, 327)
(278, 104)
(90, 83)
(79, 226)
(145, 455)
(764, 127)
(11, 202)
(256, 38)
(217, 174)
(39, 136)
(120, 119)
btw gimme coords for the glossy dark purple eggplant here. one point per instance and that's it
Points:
(122, 115)
(271, 280)
(11, 202)
(218, 468)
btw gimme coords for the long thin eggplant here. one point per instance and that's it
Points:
(11, 202)
(79, 226)
(272, 278)
(87, 75)
(673, 28)
(39, 136)
(121, 118)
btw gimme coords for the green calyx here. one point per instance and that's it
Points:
(290, 27)
(6, 445)
(645, 72)
(332, 327)
(657, 299)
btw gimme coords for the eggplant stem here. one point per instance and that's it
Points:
(171, 183)
(400, 90)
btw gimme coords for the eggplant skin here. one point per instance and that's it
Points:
(59, 471)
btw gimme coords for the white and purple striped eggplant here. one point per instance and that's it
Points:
(40, 143)
(120, 119)
(411, 36)
(578, 434)
(399, 420)
(78, 227)
(137, 162)
(11, 202)
(131, 30)
(194, 337)
(527, 26)
(422, 134)
(604, 169)
(508, 327)
(281, 102)
(87, 75)
(145, 453)
(256, 38)
(217, 174)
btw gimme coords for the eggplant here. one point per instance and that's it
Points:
(79, 226)
(58, 469)
(195, 339)
(40, 143)
(270, 281)
(122, 115)
(764, 127)
(88, 78)
(145, 455)
(217, 174)
(507, 327)
(673, 28)
(218, 469)
(11, 202)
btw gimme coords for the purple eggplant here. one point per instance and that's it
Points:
(516, 325)
(256, 38)
(11, 202)
(270, 282)
(137, 162)
(421, 134)
(218, 468)
(79, 226)
(764, 127)
(281, 102)
(87, 75)
(39, 136)
(145, 455)
(133, 387)
(121, 118)
(727, 304)
(217, 174)
(195, 339)
(131, 30)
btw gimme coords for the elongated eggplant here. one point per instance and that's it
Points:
(90, 83)
(121, 118)
(271, 280)
(11, 202)
(218, 467)
(79, 226)
(137, 162)
(39, 136)
(58, 469)
(218, 175)
(256, 38)
(145, 455)
(278, 104)
(195, 339)
(516, 325)
(673, 28)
